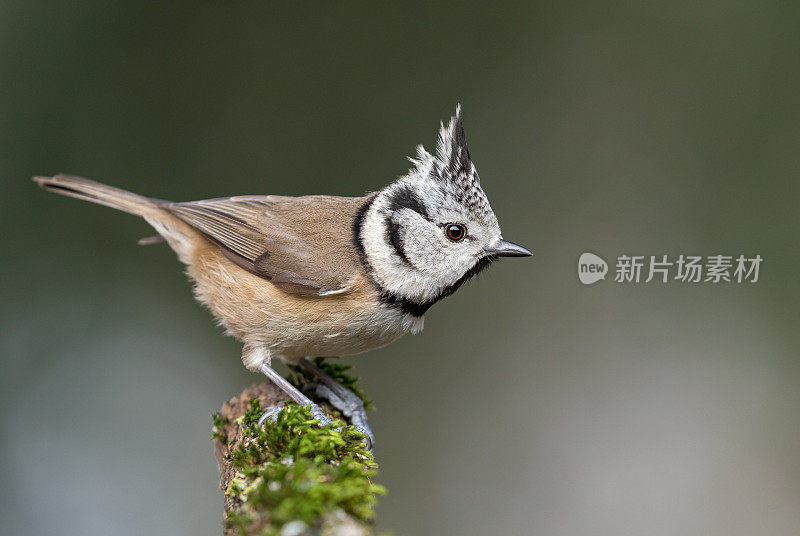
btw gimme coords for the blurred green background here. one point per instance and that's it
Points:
(530, 404)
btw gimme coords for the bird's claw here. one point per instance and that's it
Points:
(367, 437)
(271, 414)
(319, 415)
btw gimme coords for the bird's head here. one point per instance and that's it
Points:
(432, 229)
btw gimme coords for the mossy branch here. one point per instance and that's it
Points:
(292, 477)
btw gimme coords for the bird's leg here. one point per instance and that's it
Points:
(341, 398)
(293, 393)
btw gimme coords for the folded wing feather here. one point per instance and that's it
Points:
(302, 245)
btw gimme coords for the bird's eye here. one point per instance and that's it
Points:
(455, 231)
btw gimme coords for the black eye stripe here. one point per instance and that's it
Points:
(394, 239)
(406, 198)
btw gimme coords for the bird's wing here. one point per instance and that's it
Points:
(303, 245)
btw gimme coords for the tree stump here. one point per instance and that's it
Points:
(294, 478)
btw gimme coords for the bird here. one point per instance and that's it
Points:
(321, 275)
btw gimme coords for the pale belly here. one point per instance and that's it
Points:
(291, 326)
(340, 336)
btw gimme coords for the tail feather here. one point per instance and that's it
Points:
(178, 234)
(98, 193)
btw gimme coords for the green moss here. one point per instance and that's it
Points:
(293, 469)
(220, 422)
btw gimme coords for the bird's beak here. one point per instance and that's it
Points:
(508, 249)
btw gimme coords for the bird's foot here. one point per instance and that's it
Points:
(349, 405)
(316, 412)
(340, 397)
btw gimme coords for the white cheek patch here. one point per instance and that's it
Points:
(390, 271)
(421, 243)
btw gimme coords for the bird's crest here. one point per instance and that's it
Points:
(452, 167)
